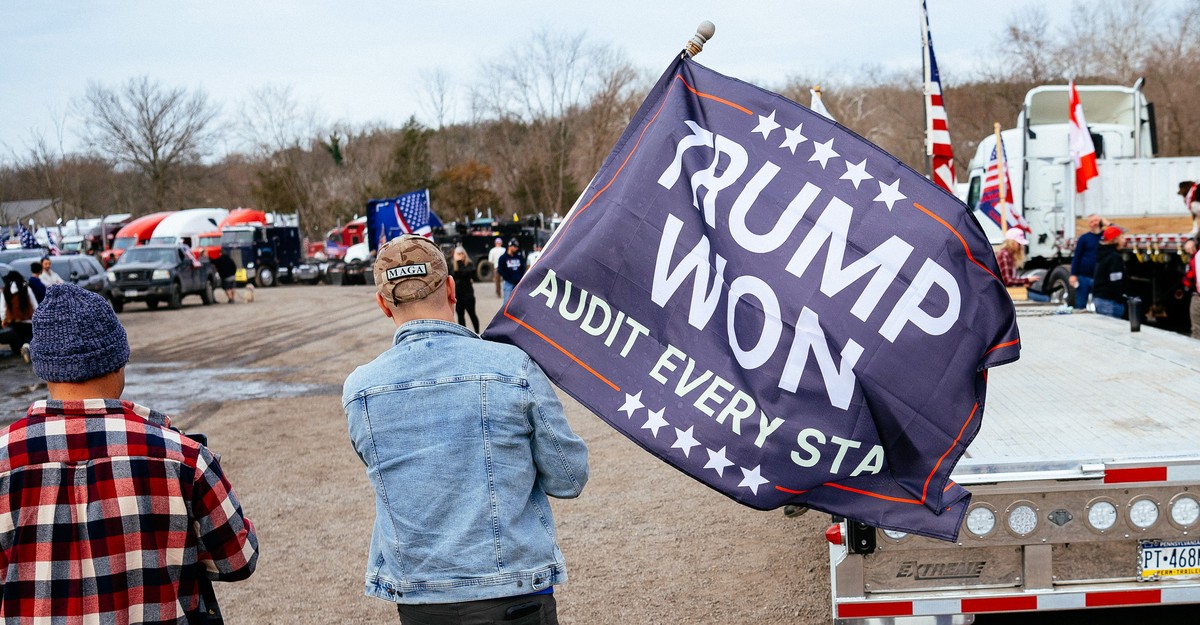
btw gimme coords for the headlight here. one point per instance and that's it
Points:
(1022, 520)
(112, 276)
(250, 265)
(894, 535)
(981, 521)
(1185, 510)
(1143, 514)
(161, 274)
(1102, 515)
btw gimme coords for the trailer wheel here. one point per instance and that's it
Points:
(151, 303)
(1057, 284)
(483, 271)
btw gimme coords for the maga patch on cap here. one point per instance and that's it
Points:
(409, 268)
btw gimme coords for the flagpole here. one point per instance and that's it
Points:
(1001, 179)
(927, 72)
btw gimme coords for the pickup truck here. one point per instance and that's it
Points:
(155, 273)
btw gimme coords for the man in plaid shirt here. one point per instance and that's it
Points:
(107, 513)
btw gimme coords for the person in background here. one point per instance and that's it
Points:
(1189, 286)
(1190, 192)
(17, 305)
(463, 271)
(1011, 257)
(35, 281)
(109, 514)
(1108, 290)
(535, 254)
(512, 268)
(49, 278)
(463, 441)
(1083, 261)
(494, 255)
(227, 271)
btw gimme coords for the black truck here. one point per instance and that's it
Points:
(266, 254)
(160, 273)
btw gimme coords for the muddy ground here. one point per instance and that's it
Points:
(644, 544)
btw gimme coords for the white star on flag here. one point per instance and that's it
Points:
(823, 152)
(889, 193)
(685, 441)
(766, 125)
(752, 479)
(856, 173)
(632, 403)
(655, 421)
(717, 461)
(793, 138)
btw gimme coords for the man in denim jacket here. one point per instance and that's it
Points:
(463, 440)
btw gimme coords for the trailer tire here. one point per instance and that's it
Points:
(151, 303)
(1057, 284)
(483, 271)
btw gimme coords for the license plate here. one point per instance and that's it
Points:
(131, 293)
(1157, 558)
(240, 276)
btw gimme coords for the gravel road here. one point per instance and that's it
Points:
(644, 544)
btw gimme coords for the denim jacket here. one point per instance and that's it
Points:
(463, 439)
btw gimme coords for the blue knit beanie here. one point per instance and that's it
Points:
(76, 336)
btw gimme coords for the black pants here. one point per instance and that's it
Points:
(527, 610)
(468, 307)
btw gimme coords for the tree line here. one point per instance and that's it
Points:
(538, 128)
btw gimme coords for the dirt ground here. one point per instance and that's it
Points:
(644, 544)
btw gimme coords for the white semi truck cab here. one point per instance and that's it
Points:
(1135, 189)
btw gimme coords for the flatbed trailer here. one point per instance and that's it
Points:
(1085, 478)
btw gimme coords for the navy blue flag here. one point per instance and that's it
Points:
(774, 306)
(404, 214)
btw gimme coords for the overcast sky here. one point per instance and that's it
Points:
(361, 61)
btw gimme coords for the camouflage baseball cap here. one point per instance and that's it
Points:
(409, 268)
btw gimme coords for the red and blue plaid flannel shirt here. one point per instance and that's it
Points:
(108, 515)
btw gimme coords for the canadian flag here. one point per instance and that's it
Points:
(1079, 142)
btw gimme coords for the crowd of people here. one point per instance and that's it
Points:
(1098, 272)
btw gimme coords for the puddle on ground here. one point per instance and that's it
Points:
(166, 387)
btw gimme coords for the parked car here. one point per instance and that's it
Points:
(82, 271)
(10, 256)
(160, 273)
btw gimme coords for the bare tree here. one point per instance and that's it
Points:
(158, 131)
(284, 138)
(438, 102)
(527, 111)
(1028, 48)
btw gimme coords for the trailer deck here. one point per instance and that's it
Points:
(1087, 390)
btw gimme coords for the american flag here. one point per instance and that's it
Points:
(937, 132)
(989, 199)
(412, 212)
(28, 241)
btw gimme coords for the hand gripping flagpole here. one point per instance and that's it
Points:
(704, 32)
